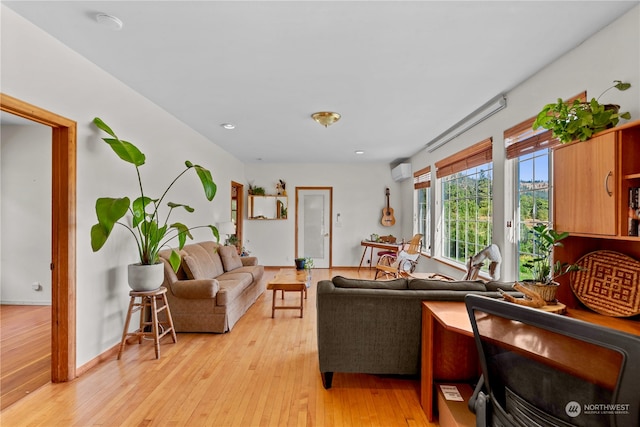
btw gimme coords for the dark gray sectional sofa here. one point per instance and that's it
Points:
(374, 327)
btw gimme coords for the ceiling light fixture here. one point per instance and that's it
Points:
(326, 118)
(109, 21)
(228, 126)
(481, 114)
(359, 151)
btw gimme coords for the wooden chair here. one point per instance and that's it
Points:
(400, 265)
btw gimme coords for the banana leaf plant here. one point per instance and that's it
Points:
(150, 232)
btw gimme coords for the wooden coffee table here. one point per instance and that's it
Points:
(289, 280)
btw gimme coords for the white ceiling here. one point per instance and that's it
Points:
(399, 72)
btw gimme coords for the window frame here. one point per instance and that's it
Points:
(522, 140)
(477, 159)
(422, 220)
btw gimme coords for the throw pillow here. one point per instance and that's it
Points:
(192, 268)
(343, 282)
(230, 258)
(445, 285)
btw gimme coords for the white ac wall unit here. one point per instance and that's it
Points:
(401, 172)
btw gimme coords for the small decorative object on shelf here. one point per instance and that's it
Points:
(281, 188)
(255, 190)
(634, 211)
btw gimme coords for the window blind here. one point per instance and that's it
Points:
(422, 178)
(476, 155)
(522, 139)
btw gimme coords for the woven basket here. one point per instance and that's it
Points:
(608, 283)
(547, 292)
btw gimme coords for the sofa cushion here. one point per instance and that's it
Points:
(192, 268)
(202, 262)
(446, 285)
(343, 282)
(230, 258)
(195, 289)
(257, 271)
(231, 286)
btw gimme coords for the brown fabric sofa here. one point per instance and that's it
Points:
(213, 287)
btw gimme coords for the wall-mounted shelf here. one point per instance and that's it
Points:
(267, 207)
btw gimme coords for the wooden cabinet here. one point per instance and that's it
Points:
(585, 173)
(592, 181)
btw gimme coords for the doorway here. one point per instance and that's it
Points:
(314, 230)
(237, 210)
(63, 233)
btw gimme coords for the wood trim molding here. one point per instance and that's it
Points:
(63, 233)
(240, 209)
(330, 190)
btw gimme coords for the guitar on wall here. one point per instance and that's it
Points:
(387, 213)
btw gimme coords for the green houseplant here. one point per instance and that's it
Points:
(545, 270)
(150, 231)
(580, 120)
(308, 263)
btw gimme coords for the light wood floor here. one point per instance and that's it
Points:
(263, 373)
(25, 350)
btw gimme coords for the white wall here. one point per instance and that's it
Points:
(611, 54)
(358, 196)
(25, 221)
(40, 70)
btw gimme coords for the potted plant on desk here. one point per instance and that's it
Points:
(542, 265)
(150, 233)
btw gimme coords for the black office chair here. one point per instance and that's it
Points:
(546, 369)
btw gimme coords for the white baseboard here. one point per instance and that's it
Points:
(5, 302)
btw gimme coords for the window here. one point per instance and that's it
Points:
(467, 201)
(531, 149)
(422, 207)
(533, 203)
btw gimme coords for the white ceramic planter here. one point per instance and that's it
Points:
(144, 278)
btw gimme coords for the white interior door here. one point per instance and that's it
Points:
(313, 225)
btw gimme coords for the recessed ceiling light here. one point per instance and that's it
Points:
(228, 126)
(359, 152)
(109, 21)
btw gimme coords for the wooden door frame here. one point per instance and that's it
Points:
(330, 189)
(240, 209)
(63, 233)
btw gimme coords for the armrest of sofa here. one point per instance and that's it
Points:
(249, 260)
(195, 289)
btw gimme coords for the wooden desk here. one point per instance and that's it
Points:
(449, 353)
(391, 247)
